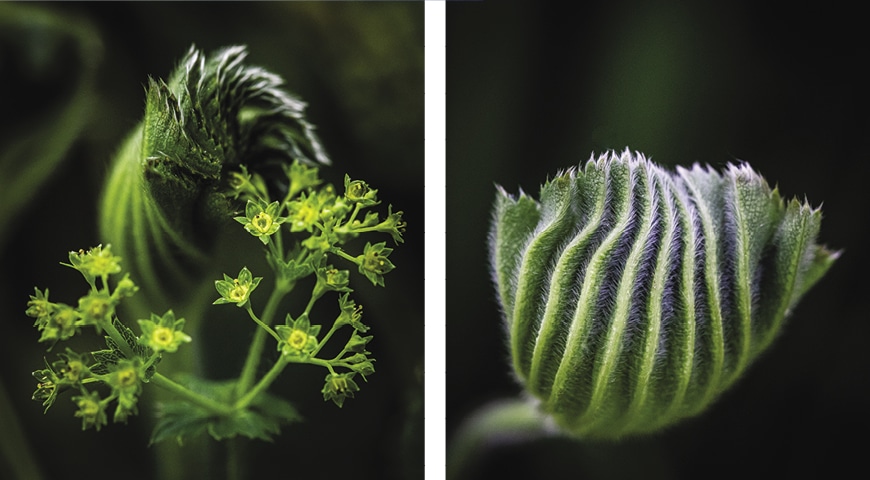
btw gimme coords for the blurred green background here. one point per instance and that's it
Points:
(72, 79)
(534, 88)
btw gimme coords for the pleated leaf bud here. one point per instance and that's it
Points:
(216, 126)
(633, 296)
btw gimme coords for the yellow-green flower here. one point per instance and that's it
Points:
(373, 263)
(96, 262)
(358, 191)
(92, 410)
(339, 386)
(62, 325)
(96, 308)
(46, 386)
(351, 314)
(71, 367)
(163, 334)
(260, 221)
(303, 213)
(236, 290)
(40, 308)
(298, 337)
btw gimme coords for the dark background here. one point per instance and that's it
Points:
(533, 88)
(360, 68)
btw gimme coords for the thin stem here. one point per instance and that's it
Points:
(341, 253)
(325, 339)
(263, 384)
(207, 403)
(235, 454)
(310, 305)
(318, 361)
(151, 361)
(260, 323)
(255, 351)
(502, 422)
(353, 215)
(276, 246)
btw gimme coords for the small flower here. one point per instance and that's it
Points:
(236, 290)
(332, 207)
(351, 314)
(62, 325)
(364, 367)
(394, 225)
(339, 386)
(358, 191)
(125, 378)
(96, 308)
(261, 222)
(91, 410)
(303, 213)
(331, 278)
(47, 386)
(163, 334)
(298, 337)
(96, 262)
(125, 288)
(357, 343)
(373, 263)
(40, 308)
(71, 368)
(245, 184)
(301, 177)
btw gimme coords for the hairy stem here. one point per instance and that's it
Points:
(499, 423)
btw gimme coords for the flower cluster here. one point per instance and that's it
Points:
(319, 225)
(59, 321)
(224, 133)
(127, 361)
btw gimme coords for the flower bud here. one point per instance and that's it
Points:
(633, 296)
(213, 125)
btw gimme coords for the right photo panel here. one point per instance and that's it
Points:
(655, 228)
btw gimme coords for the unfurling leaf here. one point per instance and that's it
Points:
(633, 296)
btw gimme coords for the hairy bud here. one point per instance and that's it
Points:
(214, 122)
(633, 296)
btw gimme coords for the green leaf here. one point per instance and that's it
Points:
(634, 296)
(263, 418)
(166, 194)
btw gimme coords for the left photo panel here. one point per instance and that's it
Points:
(211, 226)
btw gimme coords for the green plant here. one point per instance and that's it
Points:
(634, 296)
(221, 147)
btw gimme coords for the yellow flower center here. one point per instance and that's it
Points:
(98, 309)
(239, 292)
(339, 384)
(74, 370)
(305, 216)
(127, 377)
(374, 262)
(89, 408)
(162, 336)
(64, 319)
(262, 222)
(357, 190)
(297, 339)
